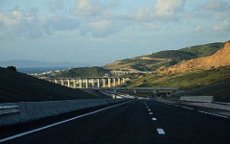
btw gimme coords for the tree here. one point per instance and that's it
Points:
(13, 68)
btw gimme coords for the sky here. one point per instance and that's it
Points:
(96, 32)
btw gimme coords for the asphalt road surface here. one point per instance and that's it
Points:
(136, 122)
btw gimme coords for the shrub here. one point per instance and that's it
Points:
(13, 68)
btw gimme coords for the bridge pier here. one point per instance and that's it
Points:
(80, 83)
(68, 83)
(109, 82)
(90, 82)
(98, 83)
(103, 83)
(114, 82)
(118, 81)
(86, 83)
(62, 82)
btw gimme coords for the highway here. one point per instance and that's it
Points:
(136, 122)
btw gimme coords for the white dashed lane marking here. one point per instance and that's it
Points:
(160, 131)
(154, 119)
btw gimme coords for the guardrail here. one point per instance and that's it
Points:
(31, 111)
(197, 98)
(9, 109)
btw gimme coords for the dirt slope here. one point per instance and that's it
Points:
(219, 59)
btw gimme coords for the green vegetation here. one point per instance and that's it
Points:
(187, 80)
(215, 82)
(204, 50)
(141, 64)
(165, 58)
(173, 54)
(16, 87)
(13, 68)
(220, 90)
(83, 72)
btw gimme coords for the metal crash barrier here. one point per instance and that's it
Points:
(9, 109)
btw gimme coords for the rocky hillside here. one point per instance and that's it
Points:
(219, 59)
(166, 58)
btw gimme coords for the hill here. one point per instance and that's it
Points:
(15, 87)
(186, 80)
(166, 58)
(203, 50)
(208, 75)
(137, 64)
(219, 59)
(81, 72)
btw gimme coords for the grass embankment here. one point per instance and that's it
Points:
(16, 87)
(214, 82)
(187, 80)
(220, 90)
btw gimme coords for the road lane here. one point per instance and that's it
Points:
(185, 126)
(138, 122)
(129, 123)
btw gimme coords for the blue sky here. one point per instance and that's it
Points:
(96, 32)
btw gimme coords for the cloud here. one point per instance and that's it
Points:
(199, 28)
(223, 26)
(217, 5)
(161, 10)
(168, 8)
(87, 7)
(144, 14)
(90, 17)
(29, 24)
(10, 19)
(56, 5)
(101, 27)
(60, 23)
(98, 18)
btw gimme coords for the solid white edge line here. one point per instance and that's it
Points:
(160, 131)
(190, 108)
(213, 114)
(58, 123)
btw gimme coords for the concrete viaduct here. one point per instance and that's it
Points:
(102, 82)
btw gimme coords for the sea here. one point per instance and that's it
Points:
(32, 70)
